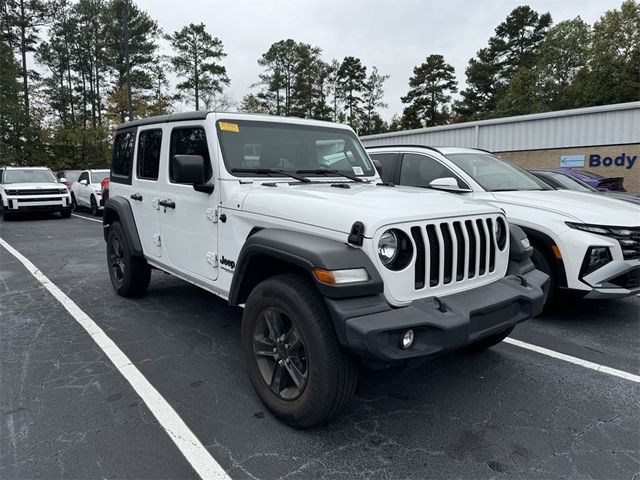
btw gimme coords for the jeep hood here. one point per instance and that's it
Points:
(335, 208)
(574, 206)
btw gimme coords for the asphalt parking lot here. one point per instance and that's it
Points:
(67, 411)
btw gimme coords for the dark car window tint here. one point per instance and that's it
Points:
(420, 170)
(148, 158)
(388, 162)
(189, 141)
(83, 176)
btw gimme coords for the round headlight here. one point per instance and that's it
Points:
(500, 232)
(388, 247)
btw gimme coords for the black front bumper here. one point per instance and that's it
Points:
(443, 324)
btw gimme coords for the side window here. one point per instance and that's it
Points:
(420, 170)
(83, 176)
(388, 162)
(189, 141)
(122, 160)
(148, 158)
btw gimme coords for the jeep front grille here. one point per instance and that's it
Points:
(42, 191)
(451, 251)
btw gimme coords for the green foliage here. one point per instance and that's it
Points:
(351, 78)
(196, 61)
(431, 86)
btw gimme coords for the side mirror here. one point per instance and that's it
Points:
(84, 182)
(62, 180)
(190, 169)
(448, 184)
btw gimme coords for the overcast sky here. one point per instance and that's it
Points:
(393, 35)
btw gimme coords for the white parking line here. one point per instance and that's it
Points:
(575, 360)
(86, 218)
(188, 444)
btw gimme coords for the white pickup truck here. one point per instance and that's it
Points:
(288, 218)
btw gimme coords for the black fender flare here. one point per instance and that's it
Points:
(305, 252)
(119, 209)
(536, 236)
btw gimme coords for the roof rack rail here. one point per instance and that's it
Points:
(404, 146)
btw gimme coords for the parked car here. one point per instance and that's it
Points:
(68, 177)
(329, 263)
(86, 191)
(32, 189)
(598, 182)
(562, 181)
(589, 245)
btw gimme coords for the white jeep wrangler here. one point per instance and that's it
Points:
(288, 218)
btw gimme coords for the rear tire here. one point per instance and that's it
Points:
(129, 274)
(325, 377)
(542, 262)
(489, 342)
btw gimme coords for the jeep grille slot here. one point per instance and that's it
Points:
(434, 256)
(416, 233)
(492, 242)
(462, 251)
(448, 252)
(456, 251)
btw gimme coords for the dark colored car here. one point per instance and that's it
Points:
(563, 181)
(68, 177)
(596, 181)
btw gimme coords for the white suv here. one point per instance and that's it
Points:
(32, 189)
(288, 218)
(588, 244)
(86, 191)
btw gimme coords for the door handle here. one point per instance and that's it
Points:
(136, 196)
(167, 203)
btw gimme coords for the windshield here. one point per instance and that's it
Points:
(282, 146)
(71, 175)
(494, 174)
(97, 177)
(570, 183)
(29, 176)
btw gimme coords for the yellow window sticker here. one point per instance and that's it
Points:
(229, 127)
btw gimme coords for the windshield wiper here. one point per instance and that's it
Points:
(325, 172)
(269, 171)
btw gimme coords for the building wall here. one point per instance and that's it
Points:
(550, 158)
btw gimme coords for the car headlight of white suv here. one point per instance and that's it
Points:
(627, 237)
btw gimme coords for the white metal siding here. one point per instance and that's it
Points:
(604, 125)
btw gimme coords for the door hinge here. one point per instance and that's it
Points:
(212, 214)
(212, 259)
(157, 241)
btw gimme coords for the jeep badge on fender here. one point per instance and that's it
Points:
(332, 266)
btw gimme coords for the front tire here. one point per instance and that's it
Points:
(74, 203)
(296, 365)
(95, 210)
(129, 274)
(541, 261)
(65, 213)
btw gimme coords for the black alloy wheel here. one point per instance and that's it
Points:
(116, 254)
(280, 353)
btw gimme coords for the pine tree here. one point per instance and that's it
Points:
(429, 96)
(197, 60)
(351, 78)
(373, 98)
